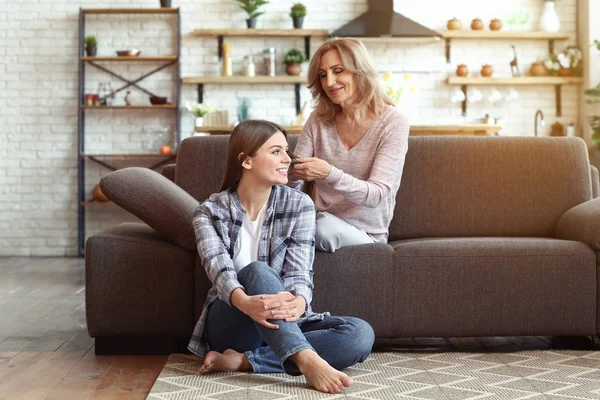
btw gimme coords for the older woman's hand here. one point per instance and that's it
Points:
(310, 169)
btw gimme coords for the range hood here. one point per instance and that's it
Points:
(380, 20)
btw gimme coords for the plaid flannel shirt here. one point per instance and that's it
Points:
(286, 244)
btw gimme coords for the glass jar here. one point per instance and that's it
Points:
(249, 69)
(269, 61)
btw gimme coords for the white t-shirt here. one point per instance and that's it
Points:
(246, 246)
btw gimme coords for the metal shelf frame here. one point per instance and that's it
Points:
(82, 108)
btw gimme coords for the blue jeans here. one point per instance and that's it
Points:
(341, 341)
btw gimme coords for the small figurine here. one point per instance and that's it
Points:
(128, 98)
(514, 65)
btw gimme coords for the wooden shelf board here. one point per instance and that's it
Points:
(244, 79)
(260, 32)
(526, 35)
(130, 58)
(133, 107)
(125, 155)
(523, 80)
(130, 10)
(415, 130)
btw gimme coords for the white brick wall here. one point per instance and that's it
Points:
(38, 88)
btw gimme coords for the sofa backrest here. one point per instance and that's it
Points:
(201, 164)
(489, 186)
(451, 186)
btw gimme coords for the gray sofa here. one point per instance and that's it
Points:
(491, 237)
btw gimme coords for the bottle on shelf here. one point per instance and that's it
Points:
(249, 68)
(226, 71)
(269, 61)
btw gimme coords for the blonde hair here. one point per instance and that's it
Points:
(355, 59)
(247, 137)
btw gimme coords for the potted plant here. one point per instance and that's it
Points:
(251, 7)
(91, 45)
(199, 110)
(298, 13)
(292, 59)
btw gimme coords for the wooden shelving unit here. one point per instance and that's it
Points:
(551, 37)
(556, 81)
(260, 32)
(130, 10)
(128, 155)
(415, 130)
(282, 79)
(130, 58)
(99, 63)
(133, 107)
(517, 81)
(220, 34)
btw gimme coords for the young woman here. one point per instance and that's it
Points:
(256, 242)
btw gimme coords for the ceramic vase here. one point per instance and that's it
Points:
(549, 21)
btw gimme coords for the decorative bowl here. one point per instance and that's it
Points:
(156, 100)
(130, 53)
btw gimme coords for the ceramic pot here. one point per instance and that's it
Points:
(549, 21)
(538, 69)
(91, 51)
(165, 3)
(199, 122)
(293, 69)
(476, 24)
(166, 150)
(495, 24)
(487, 70)
(98, 195)
(454, 24)
(462, 70)
(298, 21)
(565, 71)
(251, 22)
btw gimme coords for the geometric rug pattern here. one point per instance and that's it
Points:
(532, 375)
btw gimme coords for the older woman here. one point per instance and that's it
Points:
(353, 147)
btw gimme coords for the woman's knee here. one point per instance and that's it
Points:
(259, 278)
(365, 337)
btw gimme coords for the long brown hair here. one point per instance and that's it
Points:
(356, 59)
(246, 138)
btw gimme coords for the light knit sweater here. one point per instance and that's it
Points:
(362, 185)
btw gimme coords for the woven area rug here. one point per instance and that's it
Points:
(535, 375)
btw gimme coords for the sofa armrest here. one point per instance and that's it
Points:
(581, 223)
(595, 181)
(169, 172)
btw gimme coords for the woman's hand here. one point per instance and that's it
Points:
(310, 169)
(286, 306)
(256, 307)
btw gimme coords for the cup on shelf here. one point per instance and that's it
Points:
(457, 96)
(474, 95)
(495, 96)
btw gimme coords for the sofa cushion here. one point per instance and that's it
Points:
(493, 287)
(489, 186)
(155, 200)
(357, 281)
(201, 164)
(138, 284)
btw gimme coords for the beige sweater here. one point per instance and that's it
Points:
(361, 187)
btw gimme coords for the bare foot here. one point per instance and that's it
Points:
(319, 373)
(230, 360)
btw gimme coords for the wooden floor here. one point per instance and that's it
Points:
(45, 352)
